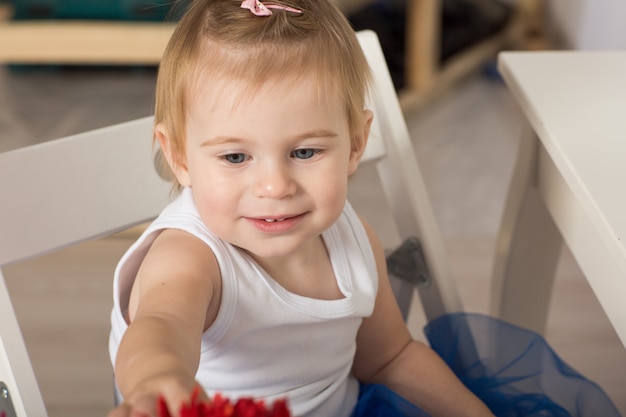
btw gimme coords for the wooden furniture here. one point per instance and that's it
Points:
(568, 183)
(70, 190)
(425, 76)
(101, 42)
(81, 42)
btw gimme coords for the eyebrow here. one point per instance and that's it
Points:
(220, 140)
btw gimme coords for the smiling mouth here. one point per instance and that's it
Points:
(277, 225)
(284, 219)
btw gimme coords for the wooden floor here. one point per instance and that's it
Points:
(466, 143)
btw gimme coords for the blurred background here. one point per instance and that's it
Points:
(71, 66)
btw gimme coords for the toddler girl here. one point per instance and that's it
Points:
(259, 279)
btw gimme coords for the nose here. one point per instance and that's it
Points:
(274, 181)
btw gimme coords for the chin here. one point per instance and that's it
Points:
(276, 248)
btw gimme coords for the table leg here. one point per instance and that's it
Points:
(528, 247)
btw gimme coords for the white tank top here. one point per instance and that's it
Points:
(266, 341)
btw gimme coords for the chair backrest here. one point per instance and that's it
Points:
(404, 185)
(85, 186)
(61, 193)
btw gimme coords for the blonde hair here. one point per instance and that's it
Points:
(220, 39)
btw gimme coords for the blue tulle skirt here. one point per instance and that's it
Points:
(512, 370)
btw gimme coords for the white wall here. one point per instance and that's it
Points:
(589, 24)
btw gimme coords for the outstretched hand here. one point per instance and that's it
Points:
(154, 400)
(199, 405)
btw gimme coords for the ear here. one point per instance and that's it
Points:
(359, 141)
(176, 162)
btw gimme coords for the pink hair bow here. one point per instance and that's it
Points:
(260, 9)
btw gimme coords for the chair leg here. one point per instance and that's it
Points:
(20, 389)
(6, 401)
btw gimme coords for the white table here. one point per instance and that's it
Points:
(569, 183)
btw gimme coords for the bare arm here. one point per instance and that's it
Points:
(174, 299)
(387, 354)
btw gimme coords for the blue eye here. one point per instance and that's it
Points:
(304, 153)
(235, 158)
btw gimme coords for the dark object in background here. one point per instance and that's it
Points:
(464, 23)
(388, 20)
(151, 10)
(467, 22)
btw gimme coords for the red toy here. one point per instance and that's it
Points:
(223, 407)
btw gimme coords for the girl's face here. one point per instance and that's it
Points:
(268, 170)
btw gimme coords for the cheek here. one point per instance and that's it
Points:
(217, 207)
(333, 178)
(214, 194)
(332, 189)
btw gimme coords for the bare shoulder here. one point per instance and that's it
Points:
(179, 276)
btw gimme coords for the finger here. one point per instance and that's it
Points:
(176, 396)
(146, 406)
(122, 410)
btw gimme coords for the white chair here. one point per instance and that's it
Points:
(86, 186)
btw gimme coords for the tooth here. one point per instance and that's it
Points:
(269, 220)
